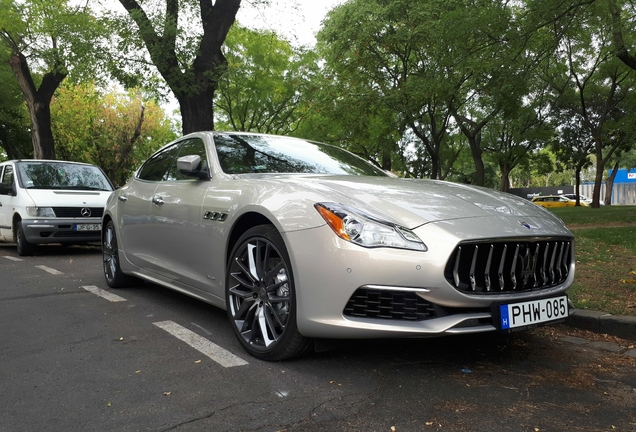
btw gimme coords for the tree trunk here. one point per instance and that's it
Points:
(475, 150)
(577, 186)
(39, 103)
(504, 186)
(193, 87)
(609, 185)
(197, 111)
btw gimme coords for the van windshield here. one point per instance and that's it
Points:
(62, 175)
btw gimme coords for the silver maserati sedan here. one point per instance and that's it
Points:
(300, 240)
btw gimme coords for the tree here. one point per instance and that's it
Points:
(512, 139)
(113, 130)
(184, 44)
(264, 85)
(602, 87)
(623, 15)
(14, 118)
(51, 38)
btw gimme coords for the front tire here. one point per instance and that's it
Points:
(261, 298)
(23, 246)
(115, 278)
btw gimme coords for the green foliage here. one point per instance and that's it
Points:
(57, 36)
(113, 130)
(264, 86)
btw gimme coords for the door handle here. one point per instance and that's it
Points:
(157, 200)
(122, 198)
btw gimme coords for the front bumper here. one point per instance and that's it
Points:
(326, 283)
(59, 230)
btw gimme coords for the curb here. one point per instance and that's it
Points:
(601, 322)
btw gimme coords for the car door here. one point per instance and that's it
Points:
(139, 232)
(178, 225)
(7, 202)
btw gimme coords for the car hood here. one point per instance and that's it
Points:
(68, 198)
(412, 202)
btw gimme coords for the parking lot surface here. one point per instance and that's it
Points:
(79, 356)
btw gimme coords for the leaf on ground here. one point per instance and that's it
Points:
(628, 281)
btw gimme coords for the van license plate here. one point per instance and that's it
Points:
(531, 313)
(88, 227)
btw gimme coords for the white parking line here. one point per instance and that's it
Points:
(215, 352)
(50, 270)
(104, 294)
(12, 258)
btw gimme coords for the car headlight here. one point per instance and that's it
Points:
(40, 211)
(357, 227)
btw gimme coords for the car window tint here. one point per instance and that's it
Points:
(240, 154)
(193, 146)
(156, 168)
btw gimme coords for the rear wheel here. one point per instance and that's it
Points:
(261, 298)
(24, 247)
(115, 278)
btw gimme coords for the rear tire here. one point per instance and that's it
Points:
(115, 278)
(23, 246)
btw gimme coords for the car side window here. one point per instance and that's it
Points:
(156, 168)
(194, 146)
(7, 176)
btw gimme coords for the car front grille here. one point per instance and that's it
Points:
(510, 266)
(76, 212)
(387, 304)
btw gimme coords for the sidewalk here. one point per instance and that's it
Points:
(601, 322)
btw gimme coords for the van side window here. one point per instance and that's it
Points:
(7, 176)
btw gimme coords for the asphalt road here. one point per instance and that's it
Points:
(75, 358)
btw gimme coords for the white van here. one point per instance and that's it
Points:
(46, 201)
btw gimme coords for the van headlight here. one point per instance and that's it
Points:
(40, 212)
(356, 227)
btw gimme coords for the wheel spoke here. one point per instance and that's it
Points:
(245, 307)
(247, 284)
(274, 271)
(253, 260)
(279, 320)
(265, 323)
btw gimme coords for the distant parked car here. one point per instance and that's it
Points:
(554, 201)
(585, 201)
(300, 240)
(45, 201)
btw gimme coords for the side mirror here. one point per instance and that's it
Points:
(6, 189)
(193, 166)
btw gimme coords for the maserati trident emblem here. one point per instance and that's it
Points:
(85, 212)
(525, 224)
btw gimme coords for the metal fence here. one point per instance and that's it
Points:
(622, 193)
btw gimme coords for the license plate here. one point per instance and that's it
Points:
(532, 313)
(88, 227)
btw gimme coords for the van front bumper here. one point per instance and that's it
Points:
(40, 231)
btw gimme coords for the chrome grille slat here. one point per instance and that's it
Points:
(472, 268)
(519, 265)
(500, 275)
(487, 270)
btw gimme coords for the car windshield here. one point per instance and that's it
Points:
(241, 154)
(60, 175)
